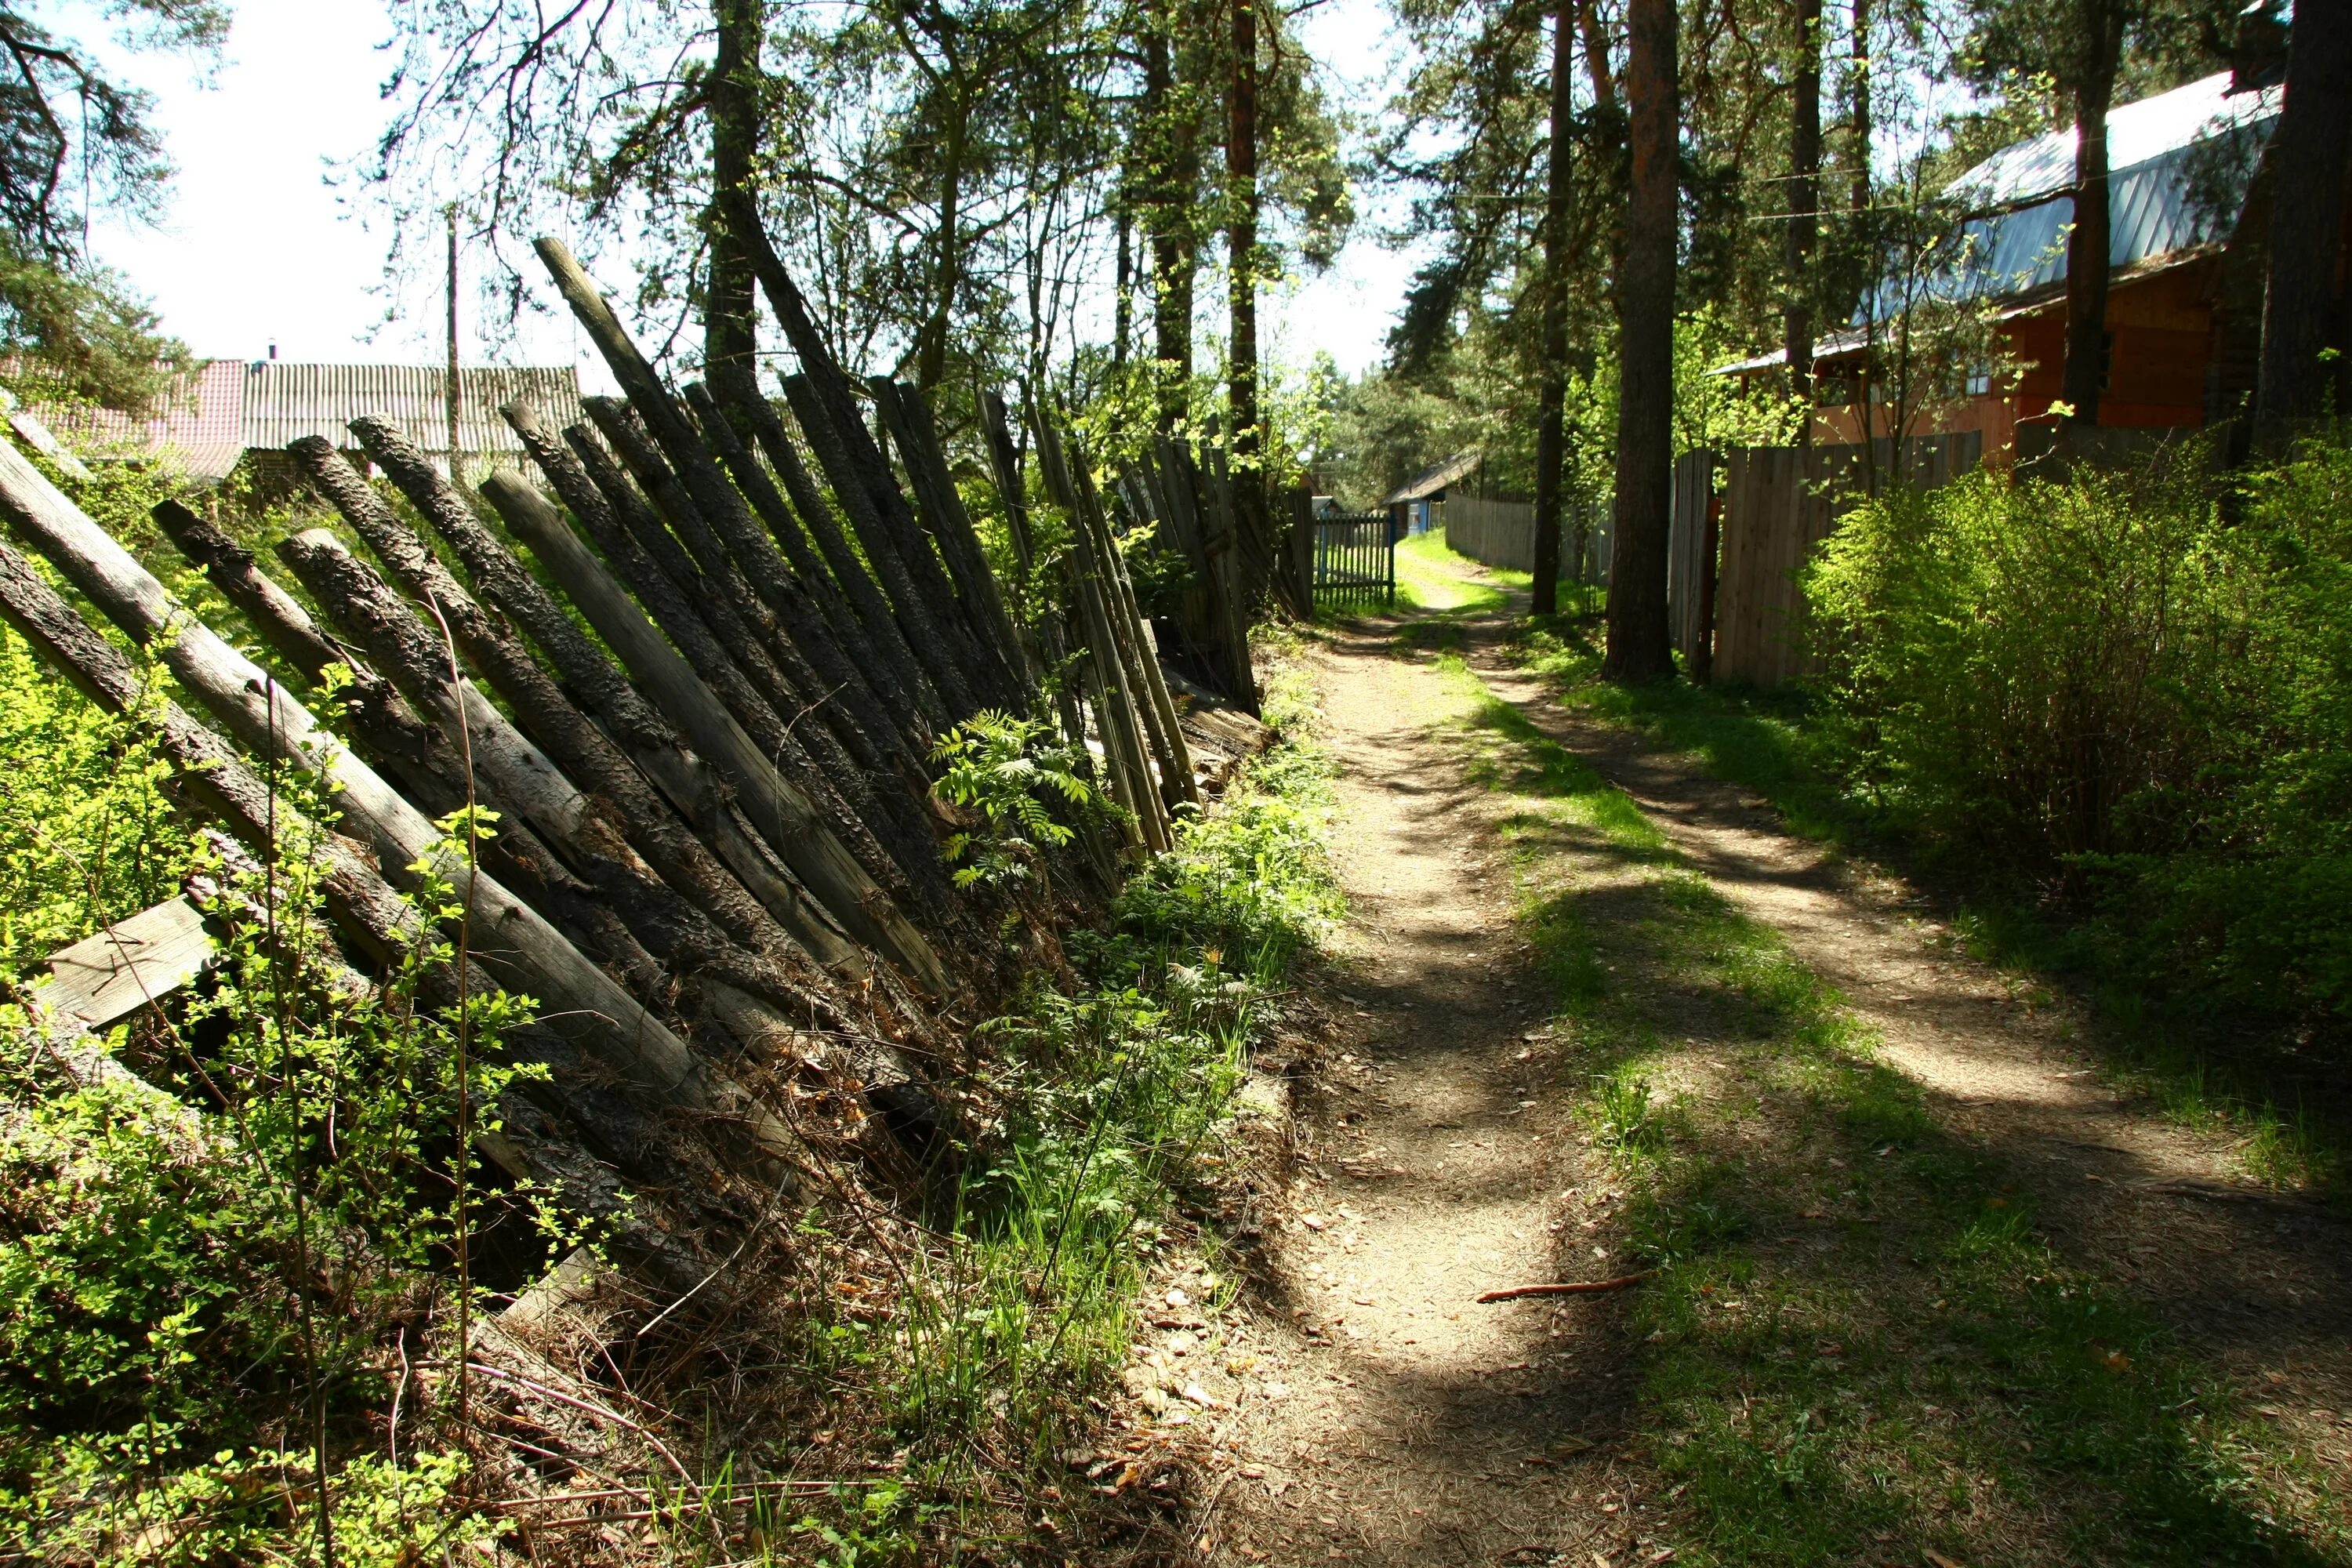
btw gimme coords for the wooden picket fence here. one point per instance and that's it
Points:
(1355, 558)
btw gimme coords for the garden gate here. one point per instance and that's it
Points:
(1355, 558)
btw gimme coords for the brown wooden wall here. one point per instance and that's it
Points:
(1779, 503)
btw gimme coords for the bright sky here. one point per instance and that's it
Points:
(259, 246)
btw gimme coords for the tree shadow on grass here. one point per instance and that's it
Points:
(2206, 1062)
(1859, 1343)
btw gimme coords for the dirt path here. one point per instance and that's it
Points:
(1416, 1423)
(1410, 1425)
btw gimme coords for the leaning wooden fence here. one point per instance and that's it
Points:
(1778, 504)
(718, 865)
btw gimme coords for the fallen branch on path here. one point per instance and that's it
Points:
(1581, 1288)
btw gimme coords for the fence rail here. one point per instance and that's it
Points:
(1355, 558)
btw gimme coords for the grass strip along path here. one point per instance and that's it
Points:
(1925, 1289)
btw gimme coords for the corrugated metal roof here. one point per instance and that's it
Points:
(1429, 481)
(194, 426)
(2138, 133)
(1823, 348)
(283, 402)
(2179, 164)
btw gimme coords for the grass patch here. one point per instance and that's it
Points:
(1432, 577)
(1858, 1346)
(1774, 743)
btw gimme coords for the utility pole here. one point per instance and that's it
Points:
(450, 387)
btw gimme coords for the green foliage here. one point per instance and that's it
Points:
(1854, 1344)
(81, 335)
(2111, 682)
(1624, 1112)
(1103, 1105)
(1385, 427)
(73, 327)
(85, 834)
(1247, 886)
(195, 1305)
(1720, 412)
(1008, 770)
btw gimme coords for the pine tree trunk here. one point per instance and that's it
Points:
(1551, 416)
(1638, 647)
(2087, 245)
(1171, 145)
(1804, 201)
(2302, 314)
(731, 343)
(1241, 245)
(1858, 196)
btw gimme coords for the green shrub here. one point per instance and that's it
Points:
(196, 1304)
(85, 835)
(2130, 690)
(1248, 885)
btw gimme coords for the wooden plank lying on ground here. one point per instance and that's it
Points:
(103, 979)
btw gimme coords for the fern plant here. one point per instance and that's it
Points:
(1009, 770)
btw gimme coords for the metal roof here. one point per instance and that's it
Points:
(1429, 481)
(2179, 164)
(1823, 348)
(195, 425)
(2138, 133)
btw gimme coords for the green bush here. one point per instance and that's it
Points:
(199, 1282)
(2125, 689)
(85, 835)
(1248, 887)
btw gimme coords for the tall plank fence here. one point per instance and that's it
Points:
(1503, 533)
(1776, 504)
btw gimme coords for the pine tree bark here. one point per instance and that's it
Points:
(731, 343)
(1638, 644)
(1241, 245)
(1858, 192)
(2100, 37)
(1804, 203)
(2302, 315)
(1551, 434)
(1170, 144)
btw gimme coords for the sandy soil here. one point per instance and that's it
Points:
(1417, 1425)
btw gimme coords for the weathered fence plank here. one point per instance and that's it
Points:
(1779, 504)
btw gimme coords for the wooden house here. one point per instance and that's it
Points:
(2187, 217)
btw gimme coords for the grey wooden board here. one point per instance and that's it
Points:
(103, 979)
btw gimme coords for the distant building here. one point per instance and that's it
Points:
(214, 419)
(2188, 211)
(1413, 504)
